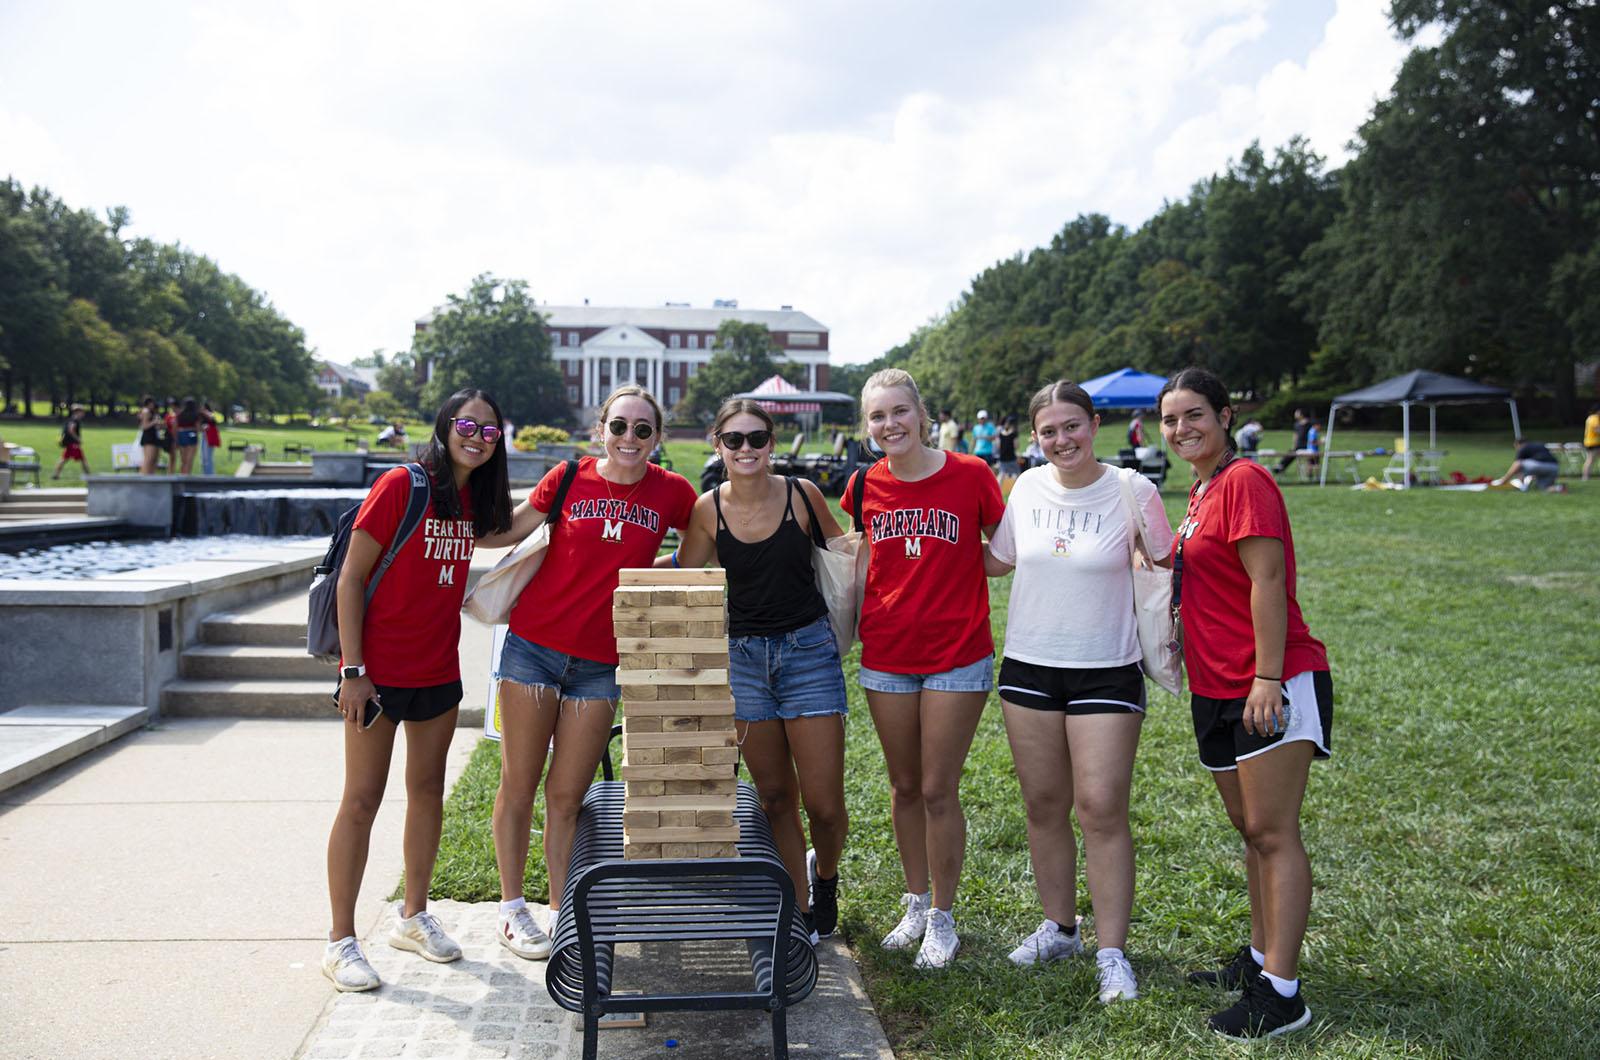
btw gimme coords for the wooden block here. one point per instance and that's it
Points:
(632, 819)
(648, 756)
(675, 693)
(718, 628)
(645, 789)
(675, 707)
(684, 835)
(714, 721)
(682, 787)
(672, 576)
(643, 693)
(637, 660)
(679, 644)
(676, 597)
(631, 609)
(710, 597)
(677, 756)
(695, 738)
(633, 627)
(674, 772)
(641, 851)
(633, 723)
(673, 660)
(686, 676)
(712, 756)
(716, 850)
(681, 722)
(680, 850)
(708, 659)
(708, 819)
(684, 802)
(681, 819)
(632, 598)
(719, 691)
(728, 786)
(669, 628)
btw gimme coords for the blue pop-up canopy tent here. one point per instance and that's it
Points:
(1126, 388)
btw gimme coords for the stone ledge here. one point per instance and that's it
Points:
(36, 739)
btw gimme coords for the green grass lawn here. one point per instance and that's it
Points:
(1454, 836)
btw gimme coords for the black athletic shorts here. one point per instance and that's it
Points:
(416, 704)
(1098, 690)
(1219, 723)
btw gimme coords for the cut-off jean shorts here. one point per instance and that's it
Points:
(791, 675)
(526, 663)
(974, 677)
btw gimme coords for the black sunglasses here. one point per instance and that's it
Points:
(466, 428)
(619, 427)
(736, 439)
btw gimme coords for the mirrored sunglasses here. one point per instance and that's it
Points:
(736, 439)
(619, 427)
(466, 428)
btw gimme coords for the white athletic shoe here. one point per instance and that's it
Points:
(911, 926)
(1116, 977)
(519, 934)
(347, 966)
(422, 934)
(1048, 943)
(939, 942)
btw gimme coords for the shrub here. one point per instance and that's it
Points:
(528, 438)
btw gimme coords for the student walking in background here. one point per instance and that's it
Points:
(150, 429)
(983, 433)
(1262, 698)
(401, 653)
(788, 687)
(72, 441)
(1007, 466)
(927, 655)
(1071, 685)
(187, 437)
(557, 673)
(1591, 440)
(210, 439)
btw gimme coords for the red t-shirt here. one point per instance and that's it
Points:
(927, 601)
(413, 627)
(606, 527)
(1219, 640)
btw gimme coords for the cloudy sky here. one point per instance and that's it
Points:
(860, 160)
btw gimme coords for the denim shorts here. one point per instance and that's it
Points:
(974, 677)
(526, 663)
(791, 675)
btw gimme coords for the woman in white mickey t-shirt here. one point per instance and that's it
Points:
(1070, 683)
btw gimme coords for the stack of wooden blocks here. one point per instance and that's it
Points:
(679, 752)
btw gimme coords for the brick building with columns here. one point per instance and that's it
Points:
(661, 348)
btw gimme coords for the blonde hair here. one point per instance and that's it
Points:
(889, 378)
(632, 390)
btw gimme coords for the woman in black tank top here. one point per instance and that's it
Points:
(788, 687)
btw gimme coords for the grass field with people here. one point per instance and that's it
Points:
(1454, 836)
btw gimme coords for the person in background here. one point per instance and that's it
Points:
(169, 435)
(1302, 429)
(187, 439)
(72, 441)
(210, 439)
(1136, 431)
(983, 433)
(1314, 443)
(1591, 439)
(1535, 461)
(1247, 439)
(949, 429)
(150, 436)
(961, 440)
(1006, 453)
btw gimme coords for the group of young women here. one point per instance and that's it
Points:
(1071, 686)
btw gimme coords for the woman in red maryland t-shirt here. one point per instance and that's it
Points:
(927, 655)
(1261, 695)
(558, 669)
(400, 652)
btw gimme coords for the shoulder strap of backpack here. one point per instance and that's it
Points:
(816, 531)
(416, 511)
(567, 477)
(858, 494)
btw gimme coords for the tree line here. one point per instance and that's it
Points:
(90, 316)
(1461, 237)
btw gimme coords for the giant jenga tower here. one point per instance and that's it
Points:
(679, 752)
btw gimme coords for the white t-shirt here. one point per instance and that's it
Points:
(1072, 594)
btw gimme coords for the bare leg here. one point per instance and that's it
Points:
(766, 752)
(366, 771)
(1103, 746)
(1227, 782)
(527, 719)
(1274, 785)
(427, 746)
(898, 720)
(582, 730)
(817, 745)
(949, 720)
(1044, 768)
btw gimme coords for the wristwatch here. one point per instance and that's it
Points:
(350, 672)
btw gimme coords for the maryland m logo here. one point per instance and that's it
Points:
(447, 574)
(611, 531)
(913, 548)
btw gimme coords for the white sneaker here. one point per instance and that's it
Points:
(423, 935)
(1048, 943)
(1116, 977)
(347, 966)
(911, 926)
(520, 935)
(939, 943)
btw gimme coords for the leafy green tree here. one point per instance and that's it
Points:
(399, 378)
(744, 359)
(492, 337)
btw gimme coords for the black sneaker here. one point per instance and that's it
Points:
(824, 897)
(1241, 969)
(811, 927)
(1261, 1012)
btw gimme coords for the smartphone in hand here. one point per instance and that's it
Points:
(370, 715)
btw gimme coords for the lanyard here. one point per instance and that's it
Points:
(1191, 521)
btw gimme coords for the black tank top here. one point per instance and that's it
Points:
(772, 586)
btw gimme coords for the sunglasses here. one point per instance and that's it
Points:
(466, 428)
(736, 439)
(619, 427)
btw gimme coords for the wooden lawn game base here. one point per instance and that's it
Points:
(679, 752)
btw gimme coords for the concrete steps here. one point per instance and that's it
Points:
(228, 661)
(249, 698)
(255, 628)
(27, 507)
(35, 739)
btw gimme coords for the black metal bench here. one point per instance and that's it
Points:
(609, 901)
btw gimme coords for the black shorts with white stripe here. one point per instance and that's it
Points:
(1073, 690)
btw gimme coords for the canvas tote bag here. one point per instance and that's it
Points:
(835, 562)
(492, 599)
(1152, 599)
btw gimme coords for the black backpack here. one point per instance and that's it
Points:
(322, 622)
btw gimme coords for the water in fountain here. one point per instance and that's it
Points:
(272, 512)
(94, 559)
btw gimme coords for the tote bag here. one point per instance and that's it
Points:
(492, 599)
(1152, 601)
(835, 562)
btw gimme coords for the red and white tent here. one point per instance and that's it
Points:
(776, 388)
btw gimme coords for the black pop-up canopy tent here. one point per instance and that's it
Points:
(1421, 388)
